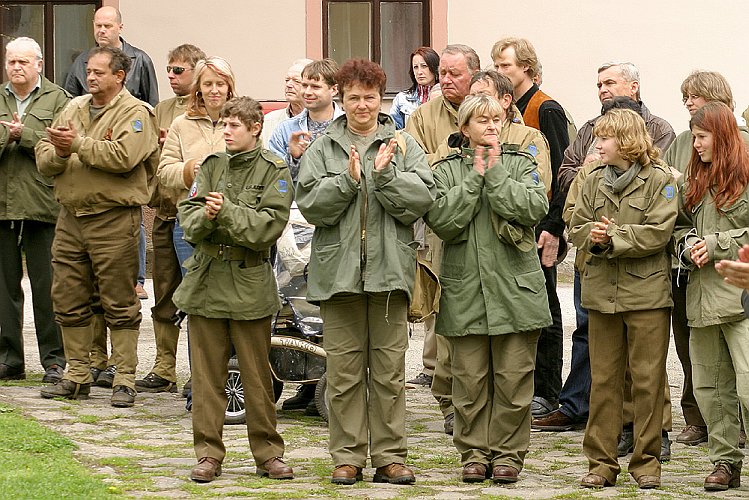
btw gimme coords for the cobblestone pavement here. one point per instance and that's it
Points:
(146, 451)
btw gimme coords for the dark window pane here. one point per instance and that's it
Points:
(20, 20)
(74, 33)
(349, 30)
(400, 33)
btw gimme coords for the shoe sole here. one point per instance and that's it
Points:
(123, 404)
(474, 479)
(558, 428)
(693, 442)
(347, 480)
(265, 473)
(504, 480)
(205, 479)
(380, 478)
(47, 395)
(171, 388)
(19, 376)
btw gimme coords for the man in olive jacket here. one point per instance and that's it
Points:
(28, 210)
(102, 151)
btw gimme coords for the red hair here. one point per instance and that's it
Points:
(727, 176)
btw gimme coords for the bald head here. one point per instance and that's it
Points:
(107, 27)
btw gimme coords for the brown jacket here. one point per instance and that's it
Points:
(113, 158)
(163, 199)
(189, 141)
(659, 129)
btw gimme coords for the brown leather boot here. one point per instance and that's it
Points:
(394, 474)
(275, 468)
(724, 476)
(206, 471)
(346, 474)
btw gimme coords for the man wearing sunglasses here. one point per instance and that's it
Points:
(166, 265)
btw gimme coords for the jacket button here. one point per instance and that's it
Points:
(613, 282)
(611, 299)
(228, 184)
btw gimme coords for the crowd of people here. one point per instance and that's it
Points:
(477, 173)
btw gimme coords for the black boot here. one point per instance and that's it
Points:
(304, 394)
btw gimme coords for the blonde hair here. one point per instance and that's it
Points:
(477, 105)
(628, 128)
(525, 54)
(710, 85)
(195, 103)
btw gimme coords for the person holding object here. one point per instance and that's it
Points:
(623, 220)
(237, 208)
(363, 185)
(736, 273)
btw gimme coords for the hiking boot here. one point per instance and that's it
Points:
(346, 474)
(206, 471)
(394, 474)
(304, 394)
(275, 468)
(95, 372)
(540, 407)
(421, 379)
(66, 389)
(7, 372)
(627, 442)
(187, 388)
(154, 383)
(449, 420)
(106, 378)
(123, 397)
(692, 435)
(724, 476)
(53, 374)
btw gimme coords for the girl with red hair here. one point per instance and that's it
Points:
(713, 224)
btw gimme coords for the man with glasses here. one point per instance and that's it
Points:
(292, 89)
(166, 265)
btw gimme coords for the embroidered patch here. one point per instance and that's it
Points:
(532, 149)
(193, 189)
(282, 186)
(669, 192)
(137, 125)
(534, 176)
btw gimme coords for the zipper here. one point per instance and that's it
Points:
(363, 179)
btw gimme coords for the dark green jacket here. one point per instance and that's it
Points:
(229, 274)
(26, 194)
(491, 284)
(391, 200)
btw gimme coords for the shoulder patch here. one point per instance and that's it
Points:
(534, 176)
(669, 192)
(137, 125)
(270, 156)
(193, 189)
(533, 150)
(282, 186)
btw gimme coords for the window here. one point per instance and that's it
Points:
(385, 31)
(63, 28)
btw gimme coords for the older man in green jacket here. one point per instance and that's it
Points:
(28, 210)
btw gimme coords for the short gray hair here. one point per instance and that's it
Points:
(472, 58)
(629, 71)
(25, 43)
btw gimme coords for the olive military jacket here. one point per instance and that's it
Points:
(491, 284)
(25, 193)
(229, 274)
(633, 271)
(363, 239)
(113, 159)
(710, 300)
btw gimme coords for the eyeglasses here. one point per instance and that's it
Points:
(177, 70)
(691, 97)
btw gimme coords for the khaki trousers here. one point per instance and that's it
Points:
(166, 278)
(639, 338)
(720, 375)
(442, 382)
(492, 393)
(90, 252)
(366, 337)
(211, 341)
(432, 254)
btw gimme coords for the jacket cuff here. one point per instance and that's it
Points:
(188, 173)
(76, 145)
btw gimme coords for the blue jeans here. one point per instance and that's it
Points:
(181, 247)
(575, 396)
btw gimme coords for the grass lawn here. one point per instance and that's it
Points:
(38, 463)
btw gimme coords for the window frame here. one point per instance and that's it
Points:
(376, 25)
(48, 48)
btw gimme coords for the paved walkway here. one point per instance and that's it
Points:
(147, 450)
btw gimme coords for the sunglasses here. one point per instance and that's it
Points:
(177, 70)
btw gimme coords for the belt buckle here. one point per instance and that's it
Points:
(222, 251)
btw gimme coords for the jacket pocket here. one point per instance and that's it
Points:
(44, 116)
(533, 281)
(250, 197)
(257, 289)
(735, 215)
(643, 268)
